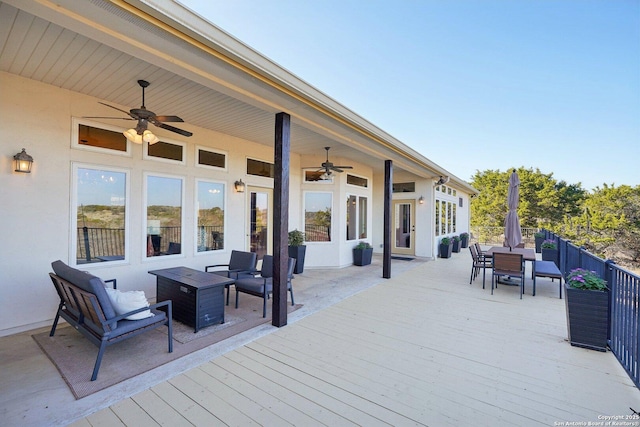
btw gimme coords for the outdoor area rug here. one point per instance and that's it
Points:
(74, 356)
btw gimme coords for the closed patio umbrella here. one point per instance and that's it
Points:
(512, 232)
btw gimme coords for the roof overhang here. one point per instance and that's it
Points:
(212, 80)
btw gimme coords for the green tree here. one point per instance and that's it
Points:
(543, 201)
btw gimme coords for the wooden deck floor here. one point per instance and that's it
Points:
(423, 348)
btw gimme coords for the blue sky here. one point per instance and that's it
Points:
(471, 85)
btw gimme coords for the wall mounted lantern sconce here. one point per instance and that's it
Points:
(239, 186)
(22, 162)
(421, 200)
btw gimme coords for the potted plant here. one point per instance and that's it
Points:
(362, 253)
(455, 247)
(587, 303)
(445, 247)
(464, 240)
(539, 238)
(297, 249)
(549, 249)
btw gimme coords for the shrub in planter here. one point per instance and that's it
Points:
(362, 254)
(464, 240)
(297, 249)
(549, 249)
(587, 303)
(445, 247)
(539, 238)
(455, 247)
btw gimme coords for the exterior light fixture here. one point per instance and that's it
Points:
(239, 186)
(421, 200)
(22, 162)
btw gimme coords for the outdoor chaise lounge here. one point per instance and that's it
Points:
(85, 304)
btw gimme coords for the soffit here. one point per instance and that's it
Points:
(99, 48)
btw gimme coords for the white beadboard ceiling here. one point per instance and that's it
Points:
(100, 48)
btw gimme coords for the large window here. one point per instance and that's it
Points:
(356, 217)
(445, 217)
(163, 215)
(100, 220)
(210, 216)
(317, 216)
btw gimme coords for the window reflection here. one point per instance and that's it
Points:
(210, 211)
(100, 215)
(317, 217)
(164, 216)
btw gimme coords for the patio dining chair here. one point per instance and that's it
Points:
(262, 286)
(478, 262)
(240, 262)
(507, 264)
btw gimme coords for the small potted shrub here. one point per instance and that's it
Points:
(297, 249)
(539, 238)
(549, 249)
(362, 253)
(587, 303)
(464, 240)
(455, 247)
(445, 247)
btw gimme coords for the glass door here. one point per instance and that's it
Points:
(260, 220)
(403, 227)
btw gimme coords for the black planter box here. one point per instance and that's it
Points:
(445, 250)
(587, 318)
(455, 246)
(362, 256)
(550, 255)
(298, 252)
(464, 242)
(538, 241)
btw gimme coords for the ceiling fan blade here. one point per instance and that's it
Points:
(168, 119)
(337, 169)
(173, 129)
(343, 167)
(115, 118)
(116, 108)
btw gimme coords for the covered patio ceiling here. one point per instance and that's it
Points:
(101, 48)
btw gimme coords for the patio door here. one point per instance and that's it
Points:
(260, 220)
(403, 227)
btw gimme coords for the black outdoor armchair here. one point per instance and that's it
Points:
(262, 286)
(240, 262)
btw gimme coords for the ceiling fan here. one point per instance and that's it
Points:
(144, 117)
(329, 167)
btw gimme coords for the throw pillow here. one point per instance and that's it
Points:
(124, 302)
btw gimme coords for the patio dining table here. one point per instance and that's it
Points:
(527, 254)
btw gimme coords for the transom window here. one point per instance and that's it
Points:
(260, 168)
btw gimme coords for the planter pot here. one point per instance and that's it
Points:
(587, 318)
(538, 241)
(362, 256)
(550, 255)
(464, 242)
(455, 246)
(298, 252)
(445, 250)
